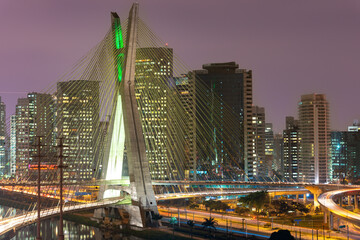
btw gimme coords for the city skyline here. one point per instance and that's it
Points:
(292, 48)
(134, 122)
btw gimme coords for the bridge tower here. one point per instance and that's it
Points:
(127, 120)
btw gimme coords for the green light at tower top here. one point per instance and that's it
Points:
(119, 43)
(118, 35)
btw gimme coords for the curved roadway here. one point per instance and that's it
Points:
(326, 200)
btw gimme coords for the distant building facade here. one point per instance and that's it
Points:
(258, 127)
(12, 151)
(345, 155)
(315, 163)
(291, 149)
(269, 148)
(185, 87)
(4, 165)
(154, 67)
(77, 123)
(230, 144)
(278, 162)
(34, 116)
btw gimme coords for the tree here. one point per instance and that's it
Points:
(255, 199)
(191, 224)
(300, 207)
(194, 203)
(209, 224)
(282, 207)
(242, 210)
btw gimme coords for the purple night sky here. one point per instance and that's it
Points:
(293, 47)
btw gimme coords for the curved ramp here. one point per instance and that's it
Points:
(326, 200)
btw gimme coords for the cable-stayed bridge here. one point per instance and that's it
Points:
(136, 122)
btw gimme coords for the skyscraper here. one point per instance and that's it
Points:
(269, 147)
(22, 137)
(278, 162)
(258, 126)
(34, 117)
(185, 86)
(229, 142)
(12, 154)
(315, 163)
(3, 155)
(77, 123)
(291, 149)
(153, 70)
(345, 155)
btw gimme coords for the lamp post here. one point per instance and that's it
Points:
(38, 236)
(61, 167)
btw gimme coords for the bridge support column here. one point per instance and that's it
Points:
(316, 191)
(297, 197)
(316, 203)
(356, 203)
(331, 222)
(340, 200)
(349, 200)
(304, 198)
(326, 213)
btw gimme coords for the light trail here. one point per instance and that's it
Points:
(22, 220)
(326, 200)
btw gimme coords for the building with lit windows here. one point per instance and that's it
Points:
(185, 86)
(258, 126)
(269, 147)
(34, 116)
(153, 69)
(278, 161)
(77, 123)
(291, 149)
(230, 136)
(315, 162)
(12, 151)
(3, 155)
(345, 155)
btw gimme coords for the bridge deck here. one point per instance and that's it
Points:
(16, 222)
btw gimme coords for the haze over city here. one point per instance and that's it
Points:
(292, 47)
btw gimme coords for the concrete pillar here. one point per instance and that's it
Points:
(316, 203)
(331, 222)
(356, 203)
(349, 200)
(297, 197)
(340, 201)
(326, 213)
(304, 198)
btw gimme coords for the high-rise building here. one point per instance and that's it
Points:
(258, 126)
(278, 162)
(315, 162)
(345, 155)
(229, 142)
(3, 155)
(153, 70)
(34, 117)
(22, 137)
(291, 149)
(12, 154)
(185, 86)
(77, 123)
(269, 147)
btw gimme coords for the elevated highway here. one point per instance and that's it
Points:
(333, 210)
(16, 222)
